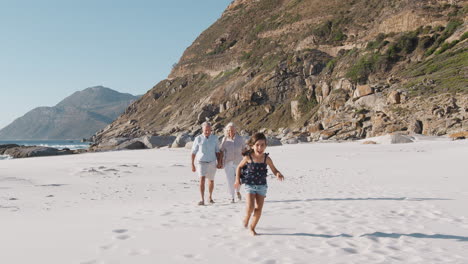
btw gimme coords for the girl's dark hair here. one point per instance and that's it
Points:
(252, 140)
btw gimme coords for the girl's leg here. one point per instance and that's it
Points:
(260, 199)
(250, 206)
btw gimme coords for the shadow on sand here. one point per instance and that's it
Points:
(304, 234)
(361, 199)
(416, 235)
(376, 234)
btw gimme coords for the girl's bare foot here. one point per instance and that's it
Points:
(245, 222)
(252, 231)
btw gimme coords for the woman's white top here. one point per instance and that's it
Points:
(232, 149)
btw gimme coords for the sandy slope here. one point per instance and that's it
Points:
(340, 203)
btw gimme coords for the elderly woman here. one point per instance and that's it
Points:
(206, 158)
(231, 149)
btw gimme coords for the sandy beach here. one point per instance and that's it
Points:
(340, 203)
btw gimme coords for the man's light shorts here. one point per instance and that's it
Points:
(207, 169)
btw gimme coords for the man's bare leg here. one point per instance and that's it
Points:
(202, 190)
(210, 189)
(257, 212)
(250, 205)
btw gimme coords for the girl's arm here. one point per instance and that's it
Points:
(276, 172)
(238, 172)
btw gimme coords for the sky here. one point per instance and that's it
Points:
(50, 49)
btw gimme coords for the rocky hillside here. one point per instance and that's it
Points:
(78, 116)
(323, 69)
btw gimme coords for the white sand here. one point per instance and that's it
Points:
(340, 203)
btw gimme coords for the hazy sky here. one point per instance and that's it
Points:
(52, 48)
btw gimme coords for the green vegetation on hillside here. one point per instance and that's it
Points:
(385, 51)
(447, 70)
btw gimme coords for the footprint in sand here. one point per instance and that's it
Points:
(350, 250)
(129, 165)
(108, 247)
(123, 236)
(190, 257)
(51, 185)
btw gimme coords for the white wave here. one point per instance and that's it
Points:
(71, 146)
(5, 157)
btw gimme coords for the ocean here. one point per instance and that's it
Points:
(59, 144)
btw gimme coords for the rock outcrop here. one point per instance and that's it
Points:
(334, 70)
(33, 151)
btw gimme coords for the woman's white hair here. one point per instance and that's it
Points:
(227, 127)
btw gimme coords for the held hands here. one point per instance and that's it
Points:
(237, 184)
(219, 165)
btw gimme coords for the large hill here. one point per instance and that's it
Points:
(78, 116)
(326, 69)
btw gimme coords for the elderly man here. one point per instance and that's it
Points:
(206, 157)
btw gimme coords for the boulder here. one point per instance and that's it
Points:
(394, 97)
(113, 142)
(181, 140)
(290, 141)
(400, 139)
(131, 144)
(189, 145)
(273, 141)
(34, 151)
(295, 112)
(269, 109)
(315, 128)
(4, 147)
(344, 84)
(325, 90)
(207, 112)
(244, 133)
(327, 134)
(459, 135)
(374, 101)
(157, 141)
(363, 90)
(336, 100)
(286, 131)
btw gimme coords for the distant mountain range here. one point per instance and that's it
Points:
(78, 116)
